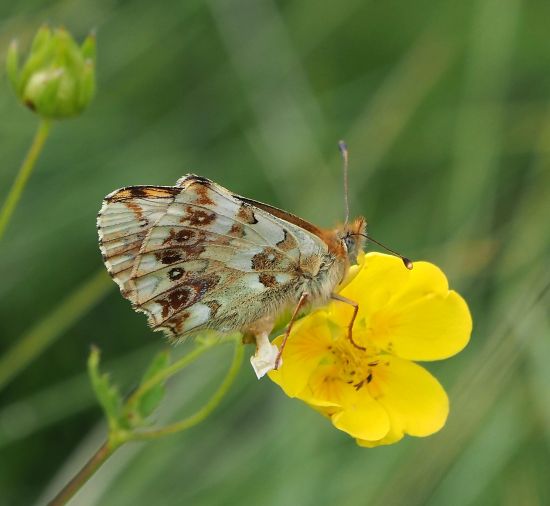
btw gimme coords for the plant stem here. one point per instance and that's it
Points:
(80, 478)
(42, 334)
(118, 438)
(172, 369)
(202, 413)
(24, 173)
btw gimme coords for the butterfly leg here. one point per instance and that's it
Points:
(301, 303)
(339, 298)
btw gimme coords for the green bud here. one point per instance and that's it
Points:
(57, 79)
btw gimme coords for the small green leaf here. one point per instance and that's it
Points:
(106, 394)
(148, 402)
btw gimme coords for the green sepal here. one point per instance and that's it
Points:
(87, 86)
(88, 48)
(41, 39)
(12, 64)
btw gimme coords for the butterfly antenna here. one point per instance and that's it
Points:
(343, 147)
(408, 263)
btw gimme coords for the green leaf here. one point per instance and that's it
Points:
(148, 402)
(107, 394)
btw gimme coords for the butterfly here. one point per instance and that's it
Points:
(196, 256)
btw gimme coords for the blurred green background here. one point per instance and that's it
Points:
(445, 107)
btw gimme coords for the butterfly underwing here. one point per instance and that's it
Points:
(195, 256)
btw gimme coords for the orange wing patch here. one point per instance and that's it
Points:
(143, 192)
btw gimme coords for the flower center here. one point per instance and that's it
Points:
(353, 366)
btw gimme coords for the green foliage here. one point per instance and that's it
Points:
(133, 413)
(444, 106)
(146, 403)
(107, 394)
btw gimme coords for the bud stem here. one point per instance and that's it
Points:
(24, 173)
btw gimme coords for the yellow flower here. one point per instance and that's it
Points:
(379, 394)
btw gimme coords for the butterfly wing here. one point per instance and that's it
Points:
(196, 256)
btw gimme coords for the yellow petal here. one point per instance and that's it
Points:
(423, 279)
(352, 411)
(352, 271)
(325, 388)
(359, 414)
(367, 420)
(393, 436)
(373, 286)
(415, 401)
(432, 327)
(408, 313)
(306, 347)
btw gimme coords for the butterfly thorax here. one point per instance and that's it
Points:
(319, 275)
(322, 273)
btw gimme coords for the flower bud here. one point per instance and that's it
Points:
(57, 79)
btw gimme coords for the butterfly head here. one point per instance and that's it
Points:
(353, 237)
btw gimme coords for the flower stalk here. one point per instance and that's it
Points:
(25, 171)
(206, 410)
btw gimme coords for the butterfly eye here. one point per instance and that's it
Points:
(349, 241)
